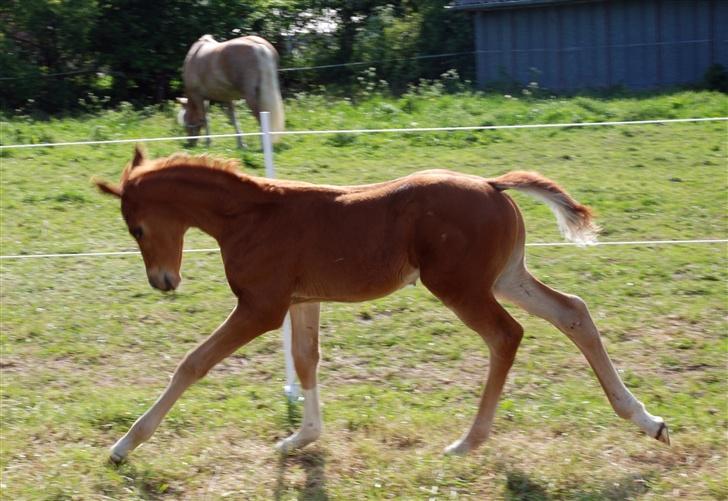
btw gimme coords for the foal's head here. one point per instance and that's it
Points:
(191, 117)
(154, 225)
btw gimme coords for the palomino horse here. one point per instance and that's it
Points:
(290, 244)
(241, 68)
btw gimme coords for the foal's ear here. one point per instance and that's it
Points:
(107, 187)
(139, 156)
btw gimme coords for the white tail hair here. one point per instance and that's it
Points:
(574, 219)
(269, 93)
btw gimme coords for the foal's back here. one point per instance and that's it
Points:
(361, 242)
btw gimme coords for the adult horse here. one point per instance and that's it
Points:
(291, 245)
(241, 68)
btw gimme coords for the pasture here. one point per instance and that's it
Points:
(87, 345)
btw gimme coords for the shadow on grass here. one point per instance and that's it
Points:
(312, 461)
(521, 487)
(146, 483)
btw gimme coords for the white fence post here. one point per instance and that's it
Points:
(291, 387)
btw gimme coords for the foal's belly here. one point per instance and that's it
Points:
(355, 289)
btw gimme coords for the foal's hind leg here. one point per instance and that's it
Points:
(570, 315)
(473, 302)
(305, 327)
(503, 335)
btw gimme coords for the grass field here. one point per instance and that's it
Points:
(87, 346)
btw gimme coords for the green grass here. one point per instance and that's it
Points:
(87, 346)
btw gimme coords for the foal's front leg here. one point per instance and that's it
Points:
(240, 327)
(305, 346)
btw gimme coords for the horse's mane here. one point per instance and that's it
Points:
(183, 160)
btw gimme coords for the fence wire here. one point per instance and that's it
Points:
(365, 131)
(633, 243)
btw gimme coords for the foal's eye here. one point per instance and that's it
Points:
(136, 232)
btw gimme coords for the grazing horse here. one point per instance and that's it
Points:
(244, 67)
(290, 245)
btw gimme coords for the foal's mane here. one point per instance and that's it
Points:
(221, 171)
(203, 162)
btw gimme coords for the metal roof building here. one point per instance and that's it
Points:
(583, 44)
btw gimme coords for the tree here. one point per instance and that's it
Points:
(52, 52)
(145, 42)
(387, 34)
(45, 52)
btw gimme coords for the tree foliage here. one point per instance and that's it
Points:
(45, 51)
(54, 53)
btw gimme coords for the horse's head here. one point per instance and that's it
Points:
(153, 225)
(191, 116)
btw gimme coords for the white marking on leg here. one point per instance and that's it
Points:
(311, 424)
(409, 277)
(570, 315)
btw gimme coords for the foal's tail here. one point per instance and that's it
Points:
(269, 93)
(575, 220)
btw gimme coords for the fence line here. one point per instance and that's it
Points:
(501, 51)
(636, 243)
(498, 127)
(50, 75)
(123, 141)
(412, 58)
(364, 131)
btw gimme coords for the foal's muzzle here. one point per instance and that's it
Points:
(164, 280)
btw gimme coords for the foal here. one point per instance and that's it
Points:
(289, 245)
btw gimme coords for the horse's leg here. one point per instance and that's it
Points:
(230, 108)
(473, 302)
(251, 99)
(305, 346)
(502, 334)
(206, 121)
(239, 328)
(571, 316)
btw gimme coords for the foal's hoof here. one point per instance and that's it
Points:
(118, 452)
(288, 445)
(116, 459)
(662, 434)
(457, 448)
(284, 447)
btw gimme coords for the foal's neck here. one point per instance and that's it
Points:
(210, 199)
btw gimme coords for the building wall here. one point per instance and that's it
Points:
(639, 44)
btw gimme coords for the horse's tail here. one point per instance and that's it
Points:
(269, 92)
(574, 219)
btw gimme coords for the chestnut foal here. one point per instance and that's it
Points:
(289, 245)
